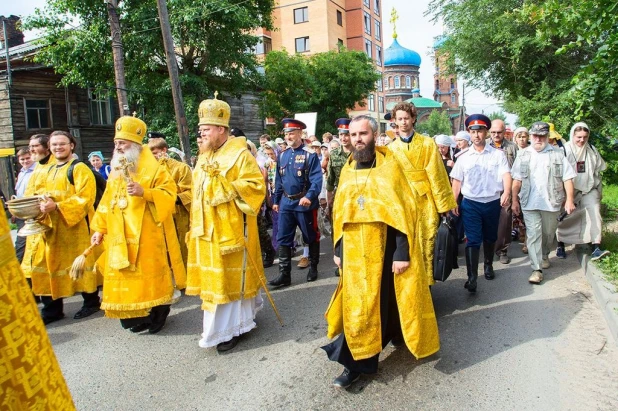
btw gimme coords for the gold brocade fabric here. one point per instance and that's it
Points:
(228, 189)
(36, 186)
(431, 190)
(137, 274)
(51, 256)
(30, 377)
(181, 174)
(355, 306)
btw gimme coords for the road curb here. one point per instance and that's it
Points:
(605, 293)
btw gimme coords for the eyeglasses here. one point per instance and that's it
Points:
(496, 132)
(33, 145)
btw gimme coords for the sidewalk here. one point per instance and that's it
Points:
(605, 293)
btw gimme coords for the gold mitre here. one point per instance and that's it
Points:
(214, 112)
(130, 128)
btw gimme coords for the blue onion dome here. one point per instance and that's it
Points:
(396, 55)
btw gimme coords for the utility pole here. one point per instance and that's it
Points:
(172, 67)
(118, 54)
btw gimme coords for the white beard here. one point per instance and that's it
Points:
(131, 155)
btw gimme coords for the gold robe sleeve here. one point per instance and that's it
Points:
(439, 181)
(76, 207)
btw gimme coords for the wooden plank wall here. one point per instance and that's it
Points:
(245, 115)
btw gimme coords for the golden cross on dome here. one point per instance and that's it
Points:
(394, 18)
(216, 94)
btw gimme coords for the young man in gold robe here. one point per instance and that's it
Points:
(383, 292)
(181, 174)
(422, 165)
(31, 378)
(225, 262)
(135, 217)
(49, 257)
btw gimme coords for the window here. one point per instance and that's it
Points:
(437, 84)
(367, 19)
(452, 84)
(38, 114)
(366, 3)
(368, 48)
(302, 44)
(453, 98)
(397, 82)
(264, 46)
(301, 15)
(378, 55)
(377, 30)
(339, 44)
(381, 104)
(340, 18)
(386, 83)
(376, 7)
(100, 108)
(371, 102)
(379, 83)
(408, 82)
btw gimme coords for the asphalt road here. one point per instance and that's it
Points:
(512, 346)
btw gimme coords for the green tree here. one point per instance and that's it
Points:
(497, 115)
(213, 41)
(437, 123)
(550, 60)
(329, 83)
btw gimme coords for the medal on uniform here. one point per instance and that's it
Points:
(300, 173)
(122, 203)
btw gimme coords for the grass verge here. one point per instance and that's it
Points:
(609, 264)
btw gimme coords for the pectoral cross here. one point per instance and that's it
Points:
(124, 167)
(361, 202)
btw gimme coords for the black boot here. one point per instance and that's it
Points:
(472, 263)
(314, 259)
(268, 258)
(285, 268)
(488, 266)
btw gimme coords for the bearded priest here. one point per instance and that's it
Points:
(225, 263)
(383, 292)
(135, 218)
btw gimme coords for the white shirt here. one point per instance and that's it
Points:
(538, 198)
(481, 173)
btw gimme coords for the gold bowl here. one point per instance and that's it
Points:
(28, 208)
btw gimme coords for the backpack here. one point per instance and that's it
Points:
(100, 181)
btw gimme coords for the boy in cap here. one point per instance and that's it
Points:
(481, 174)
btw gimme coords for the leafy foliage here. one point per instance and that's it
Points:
(550, 60)
(437, 123)
(497, 115)
(213, 41)
(329, 83)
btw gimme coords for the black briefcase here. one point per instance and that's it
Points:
(445, 250)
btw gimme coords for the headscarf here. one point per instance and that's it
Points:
(96, 154)
(578, 151)
(520, 130)
(463, 135)
(443, 140)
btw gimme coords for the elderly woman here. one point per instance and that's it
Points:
(96, 161)
(521, 137)
(444, 143)
(462, 141)
(584, 225)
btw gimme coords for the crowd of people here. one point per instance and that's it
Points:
(160, 226)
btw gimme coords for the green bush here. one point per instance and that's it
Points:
(609, 264)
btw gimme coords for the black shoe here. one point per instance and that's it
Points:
(159, 318)
(49, 320)
(268, 259)
(489, 272)
(314, 257)
(139, 328)
(312, 275)
(337, 274)
(488, 269)
(472, 265)
(86, 312)
(228, 345)
(398, 342)
(37, 299)
(346, 378)
(285, 268)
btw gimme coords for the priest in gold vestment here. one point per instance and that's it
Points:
(383, 292)
(30, 377)
(422, 165)
(181, 174)
(48, 258)
(135, 218)
(225, 263)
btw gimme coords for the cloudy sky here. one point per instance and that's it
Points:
(414, 31)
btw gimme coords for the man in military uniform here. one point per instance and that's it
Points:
(338, 158)
(298, 183)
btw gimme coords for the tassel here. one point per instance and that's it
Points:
(77, 269)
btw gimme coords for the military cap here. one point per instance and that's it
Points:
(290, 124)
(540, 128)
(477, 121)
(156, 134)
(343, 125)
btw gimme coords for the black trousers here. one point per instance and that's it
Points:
(20, 242)
(156, 313)
(55, 308)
